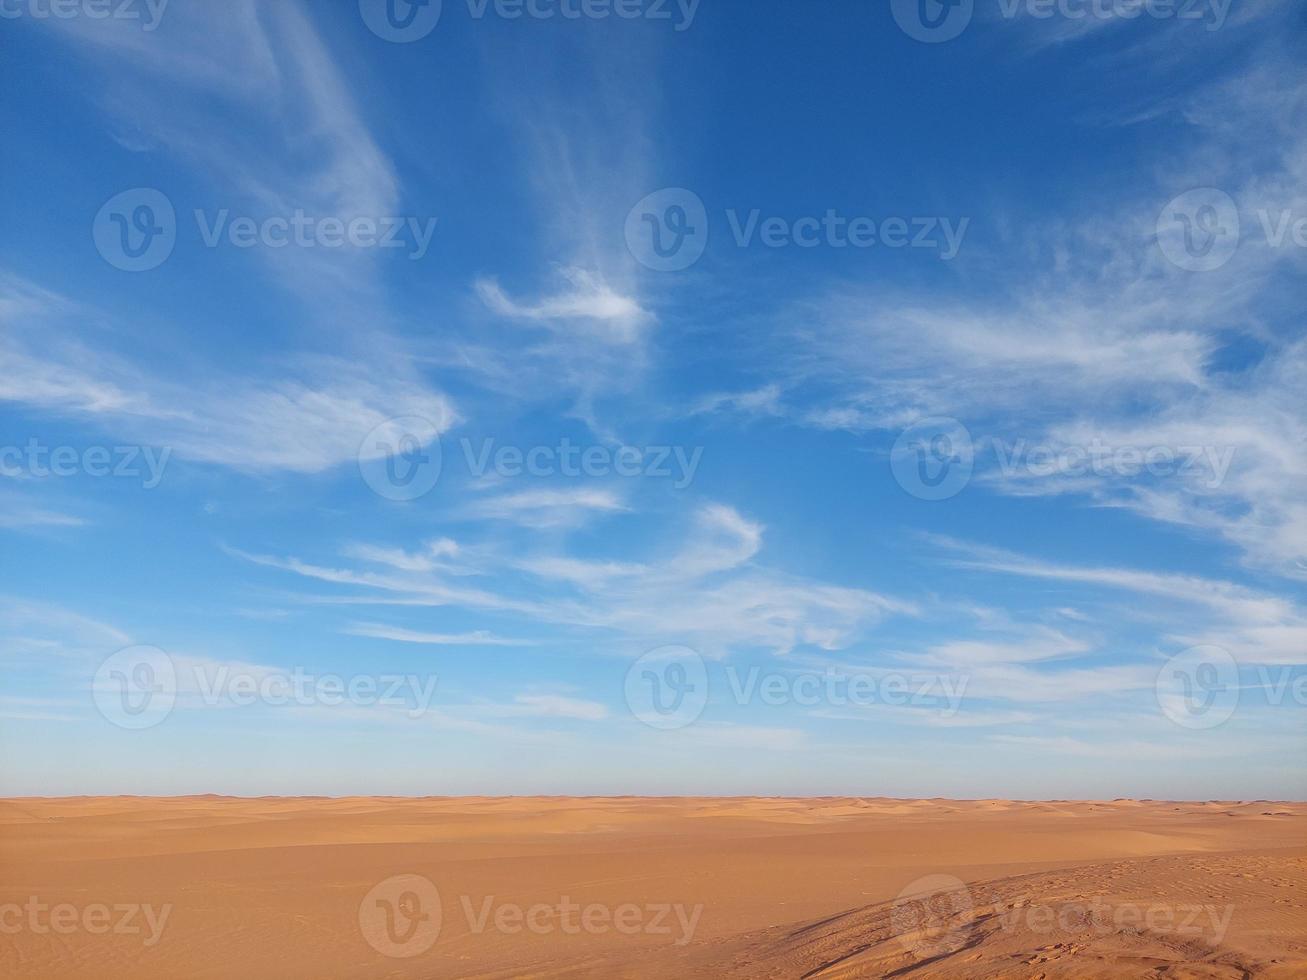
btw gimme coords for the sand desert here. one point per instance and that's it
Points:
(629, 887)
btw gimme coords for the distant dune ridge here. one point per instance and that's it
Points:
(628, 887)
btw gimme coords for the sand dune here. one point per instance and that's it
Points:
(625, 887)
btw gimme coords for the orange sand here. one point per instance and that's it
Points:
(609, 888)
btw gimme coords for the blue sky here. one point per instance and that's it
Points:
(769, 398)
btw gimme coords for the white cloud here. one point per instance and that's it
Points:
(1104, 341)
(589, 298)
(477, 638)
(299, 140)
(706, 591)
(546, 507)
(307, 422)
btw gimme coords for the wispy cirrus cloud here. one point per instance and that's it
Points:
(476, 638)
(708, 590)
(302, 143)
(1107, 342)
(310, 418)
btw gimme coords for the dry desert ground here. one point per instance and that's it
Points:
(664, 888)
